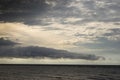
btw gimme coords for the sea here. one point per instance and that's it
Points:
(59, 72)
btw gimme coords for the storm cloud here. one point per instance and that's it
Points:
(79, 29)
(42, 52)
(24, 11)
(7, 49)
(32, 12)
(27, 11)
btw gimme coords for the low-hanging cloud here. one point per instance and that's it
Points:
(42, 52)
(8, 50)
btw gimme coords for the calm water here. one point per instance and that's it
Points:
(30, 72)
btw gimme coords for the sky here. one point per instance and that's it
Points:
(60, 32)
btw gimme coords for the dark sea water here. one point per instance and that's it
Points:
(55, 72)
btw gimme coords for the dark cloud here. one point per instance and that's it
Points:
(21, 5)
(5, 42)
(28, 11)
(32, 12)
(22, 10)
(42, 52)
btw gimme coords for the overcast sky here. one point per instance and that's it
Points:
(60, 32)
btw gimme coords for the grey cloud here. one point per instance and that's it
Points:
(101, 43)
(52, 28)
(8, 49)
(28, 11)
(90, 11)
(25, 11)
(117, 23)
(42, 52)
(80, 35)
(114, 31)
(22, 6)
(5, 42)
(113, 34)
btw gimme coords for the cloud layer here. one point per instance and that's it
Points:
(33, 12)
(25, 11)
(4, 42)
(8, 50)
(41, 52)
(83, 26)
